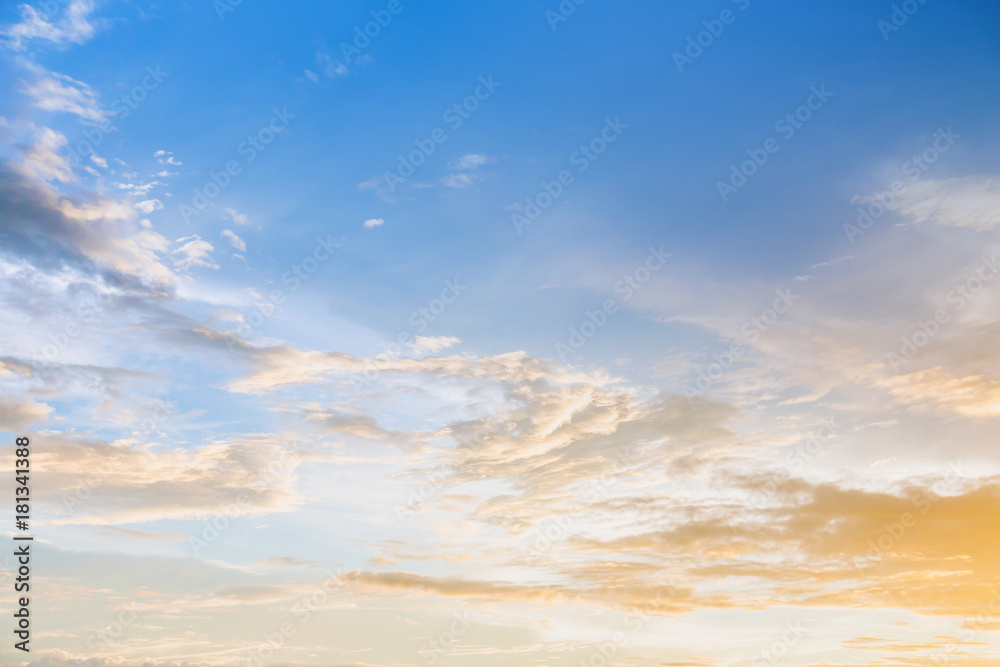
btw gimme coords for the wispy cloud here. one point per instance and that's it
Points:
(73, 26)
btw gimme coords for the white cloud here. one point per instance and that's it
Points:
(238, 218)
(17, 414)
(43, 161)
(167, 157)
(331, 68)
(464, 169)
(234, 240)
(972, 202)
(194, 252)
(57, 92)
(381, 188)
(312, 76)
(73, 27)
(471, 161)
(148, 206)
(433, 343)
(457, 181)
(374, 222)
(99, 161)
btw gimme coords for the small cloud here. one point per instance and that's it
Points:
(374, 222)
(833, 262)
(457, 181)
(433, 343)
(234, 240)
(235, 216)
(99, 161)
(471, 161)
(465, 168)
(148, 206)
(331, 68)
(312, 76)
(167, 157)
(165, 173)
(381, 187)
(194, 252)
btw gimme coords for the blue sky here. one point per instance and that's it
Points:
(389, 342)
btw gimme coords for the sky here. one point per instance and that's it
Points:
(547, 333)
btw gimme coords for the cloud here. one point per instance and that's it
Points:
(972, 396)
(57, 92)
(73, 27)
(458, 181)
(464, 170)
(234, 216)
(381, 188)
(329, 67)
(18, 413)
(167, 157)
(972, 202)
(50, 230)
(43, 162)
(471, 161)
(374, 222)
(276, 367)
(129, 484)
(114, 531)
(422, 344)
(148, 206)
(234, 240)
(194, 252)
(59, 658)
